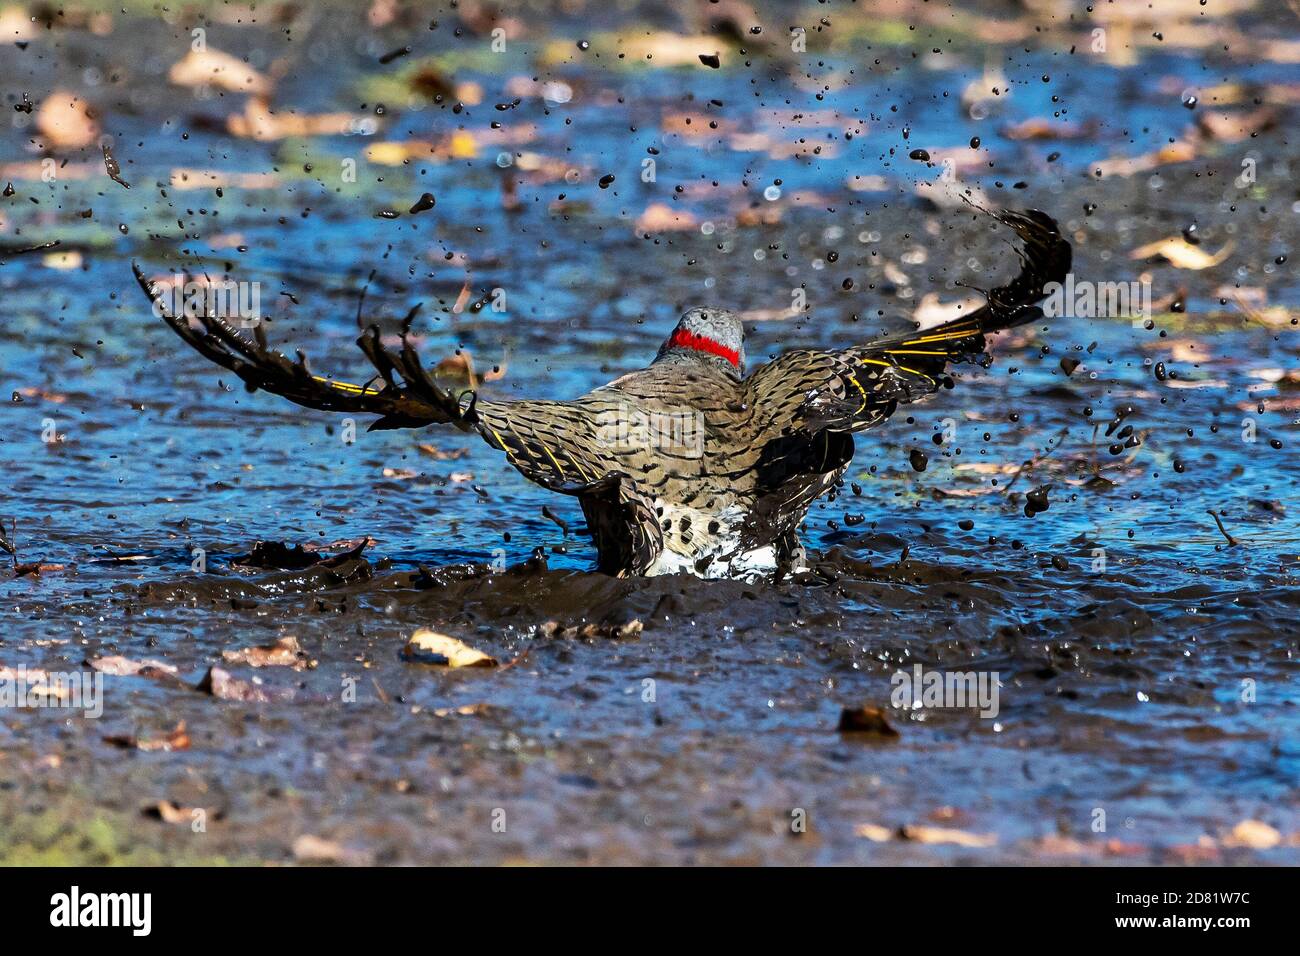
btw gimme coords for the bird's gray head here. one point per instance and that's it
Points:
(712, 336)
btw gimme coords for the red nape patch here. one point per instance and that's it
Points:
(686, 339)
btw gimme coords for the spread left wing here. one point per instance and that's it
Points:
(807, 391)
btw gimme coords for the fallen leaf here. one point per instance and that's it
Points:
(465, 710)
(1254, 834)
(38, 683)
(930, 311)
(286, 652)
(1181, 254)
(1037, 128)
(16, 26)
(434, 451)
(65, 121)
(866, 720)
(260, 122)
(309, 848)
(169, 812)
(874, 831)
(430, 647)
(125, 667)
(43, 394)
(177, 739)
(62, 261)
(937, 835)
(592, 630)
(1236, 127)
(223, 685)
(188, 178)
(211, 67)
(459, 368)
(660, 217)
(1179, 151)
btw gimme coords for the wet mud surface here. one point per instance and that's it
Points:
(1146, 651)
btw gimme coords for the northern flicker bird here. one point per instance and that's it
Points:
(688, 465)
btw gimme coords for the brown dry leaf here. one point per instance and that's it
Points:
(1037, 128)
(36, 568)
(866, 720)
(400, 474)
(43, 394)
(1189, 854)
(211, 67)
(1281, 51)
(176, 739)
(187, 178)
(452, 454)
(768, 214)
(1273, 315)
(125, 667)
(260, 122)
(309, 848)
(430, 647)
(930, 311)
(465, 710)
(1255, 834)
(690, 125)
(220, 683)
(1235, 127)
(660, 217)
(1054, 844)
(1176, 152)
(458, 368)
(37, 683)
(665, 49)
(937, 835)
(286, 652)
(169, 812)
(867, 183)
(874, 831)
(1182, 254)
(592, 630)
(65, 121)
(34, 169)
(987, 467)
(15, 25)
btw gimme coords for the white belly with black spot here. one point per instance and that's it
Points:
(705, 545)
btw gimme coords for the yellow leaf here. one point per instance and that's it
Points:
(1254, 834)
(62, 260)
(392, 154)
(430, 647)
(462, 145)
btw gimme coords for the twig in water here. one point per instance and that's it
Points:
(1232, 542)
(1060, 437)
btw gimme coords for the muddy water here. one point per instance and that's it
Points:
(1147, 666)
